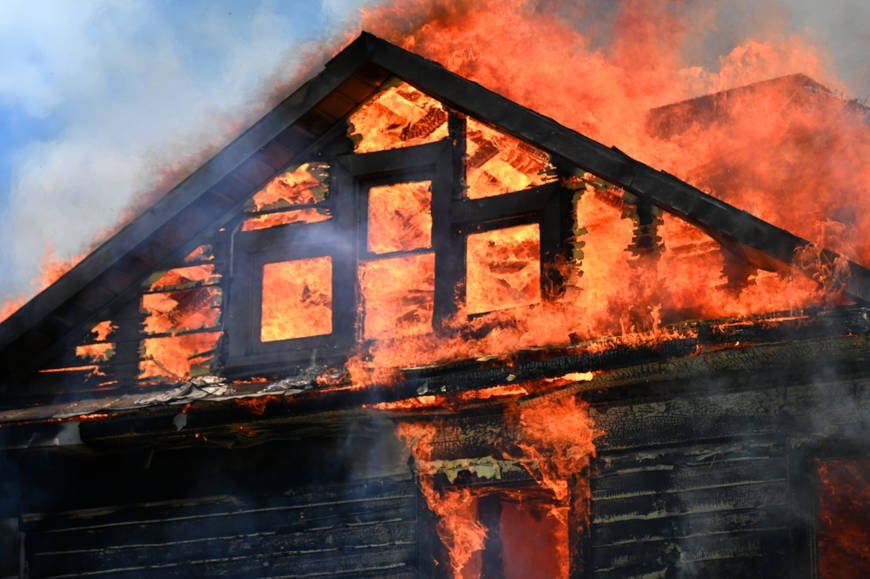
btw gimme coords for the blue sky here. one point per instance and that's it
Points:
(94, 94)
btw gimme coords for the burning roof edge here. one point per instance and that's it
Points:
(224, 182)
(672, 118)
(680, 363)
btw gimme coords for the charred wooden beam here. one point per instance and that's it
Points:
(718, 218)
(183, 206)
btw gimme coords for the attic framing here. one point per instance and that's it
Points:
(297, 127)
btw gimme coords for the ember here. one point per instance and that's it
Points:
(844, 517)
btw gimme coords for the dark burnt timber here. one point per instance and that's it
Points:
(697, 473)
(93, 287)
(715, 348)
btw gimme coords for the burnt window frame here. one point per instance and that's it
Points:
(292, 242)
(454, 217)
(350, 178)
(359, 172)
(549, 206)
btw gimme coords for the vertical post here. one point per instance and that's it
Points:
(645, 241)
(489, 514)
(580, 524)
(448, 243)
(125, 362)
(558, 235)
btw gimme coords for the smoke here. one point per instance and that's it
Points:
(123, 98)
(120, 99)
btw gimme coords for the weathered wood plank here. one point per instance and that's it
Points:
(717, 498)
(287, 519)
(682, 477)
(318, 536)
(688, 524)
(687, 552)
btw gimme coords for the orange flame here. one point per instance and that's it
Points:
(503, 268)
(398, 295)
(50, 270)
(400, 116)
(303, 185)
(297, 299)
(844, 518)
(268, 220)
(177, 357)
(498, 163)
(400, 217)
(458, 526)
(555, 437)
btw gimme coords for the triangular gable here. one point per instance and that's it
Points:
(177, 223)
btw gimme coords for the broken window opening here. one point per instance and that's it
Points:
(398, 116)
(267, 220)
(400, 217)
(503, 268)
(398, 295)
(175, 311)
(171, 358)
(306, 184)
(200, 254)
(296, 299)
(497, 163)
(101, 352)
(92, 354)
(180, 278)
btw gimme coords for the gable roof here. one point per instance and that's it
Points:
(220, 187)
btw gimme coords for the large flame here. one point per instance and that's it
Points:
(296, 299)
(553, 440)
(789, 151)
(793, 156)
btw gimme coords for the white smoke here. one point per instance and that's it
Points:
(128, 87)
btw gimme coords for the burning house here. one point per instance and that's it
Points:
(406, 327)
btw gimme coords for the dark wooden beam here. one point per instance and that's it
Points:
(671, 194)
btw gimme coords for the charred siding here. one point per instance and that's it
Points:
(359, 530)
(700, 508)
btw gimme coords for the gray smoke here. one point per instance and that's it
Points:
(136, 90)
(133, 90)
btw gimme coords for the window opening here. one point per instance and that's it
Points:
(306, 184)
(503, 268)
(398, 116)
(267, 220)
(291, 197)
(296, 299)
(397, 289)
(398, 295)
(177, 357)
(498, 163)
(400, 217)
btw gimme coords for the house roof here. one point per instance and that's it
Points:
(801, 90)
(220, 187)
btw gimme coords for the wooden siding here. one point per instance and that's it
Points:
(700, 508)
(355, 530)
